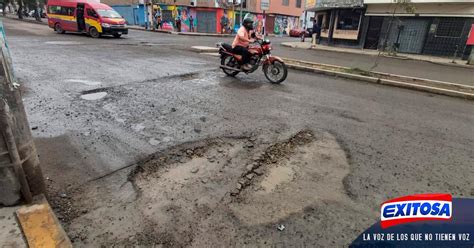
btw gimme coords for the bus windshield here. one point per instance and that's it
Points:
(108, 13)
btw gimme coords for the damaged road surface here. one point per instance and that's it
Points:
(223, 192)
(145, 143)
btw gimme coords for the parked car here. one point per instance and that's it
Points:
(299, 31)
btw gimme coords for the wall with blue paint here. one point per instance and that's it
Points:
(128, 12)
(134, 14)
(140, 14)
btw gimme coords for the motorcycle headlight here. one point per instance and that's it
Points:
(105, 25)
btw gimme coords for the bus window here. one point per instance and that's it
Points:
(59, 10)
(54, 10)
(91, 13)
(69, 11)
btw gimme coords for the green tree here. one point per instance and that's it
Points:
(28, 5)
(4, 4)
(391, 49)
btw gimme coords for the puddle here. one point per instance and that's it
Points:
(82, 81)
(94, 96)
(194, 63)
(63, 43)
(239, 83)
(186, 76)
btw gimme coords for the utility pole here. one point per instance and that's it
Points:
(20, 172)
(470, 60)
(233, 17)
(145, 8)
(241, 6)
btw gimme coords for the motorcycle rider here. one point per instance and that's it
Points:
(242, 41)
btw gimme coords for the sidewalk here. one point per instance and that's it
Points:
(32, 225)
(10, 231)
(135, 27)
(432, 59)
(44, 21)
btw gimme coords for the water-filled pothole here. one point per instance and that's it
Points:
(83, 81)
(94, 96)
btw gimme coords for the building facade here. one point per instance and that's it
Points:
(430, 27)
(342, 21)
(280, 18)
(214, 16)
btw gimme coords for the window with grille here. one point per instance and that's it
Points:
(298, 3)
(450, 27)
(286, 2)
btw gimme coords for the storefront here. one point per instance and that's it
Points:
(341, 23)
(431, 29)
(347, 23)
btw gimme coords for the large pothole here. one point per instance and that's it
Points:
(224, 192)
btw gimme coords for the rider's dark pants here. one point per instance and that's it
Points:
(244, 52)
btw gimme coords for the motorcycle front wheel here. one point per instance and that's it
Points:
(276, 72)
(230, 62)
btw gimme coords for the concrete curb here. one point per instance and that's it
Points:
(285, 44)
(430, 89)
(41, 227)
(415, 79)
(434, 86)
(180, 33)
(204, 34)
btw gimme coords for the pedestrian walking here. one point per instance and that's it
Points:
(191, 23)
(316, 32)
(224, 23)
(159, 23)
(178, 23)
(155, 16)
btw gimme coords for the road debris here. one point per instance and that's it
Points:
(281, 227)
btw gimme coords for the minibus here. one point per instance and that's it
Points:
(92, 18)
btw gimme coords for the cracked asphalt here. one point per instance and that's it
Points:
(100, 106)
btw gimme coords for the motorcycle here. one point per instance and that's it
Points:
(274, 68)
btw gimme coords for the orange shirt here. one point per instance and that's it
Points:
(241, 33)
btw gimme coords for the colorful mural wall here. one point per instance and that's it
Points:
(169, 14)
(227, 21)
(283, 24)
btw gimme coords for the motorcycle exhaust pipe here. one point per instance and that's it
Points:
(230, 68)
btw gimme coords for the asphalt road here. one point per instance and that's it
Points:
(154, 93)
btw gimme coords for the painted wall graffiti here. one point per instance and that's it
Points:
(283, 24)
(225, 19)
(170, 13)
(257, 21)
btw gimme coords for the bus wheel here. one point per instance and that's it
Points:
(117, 35)
(59, 29)
(94, 33)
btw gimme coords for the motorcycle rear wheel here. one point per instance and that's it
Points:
(230, 62)
(276, 72)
